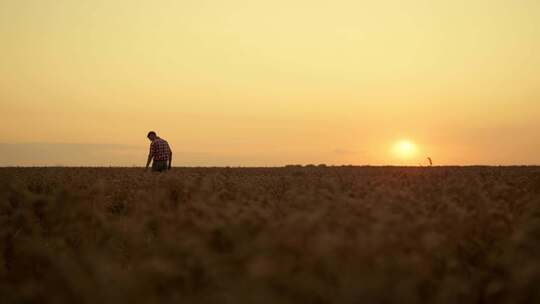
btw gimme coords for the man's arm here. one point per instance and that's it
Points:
(150, 156)
(170, 158)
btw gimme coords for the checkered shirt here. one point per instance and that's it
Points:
(160, 149)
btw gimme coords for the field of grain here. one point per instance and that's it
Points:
(270, 235)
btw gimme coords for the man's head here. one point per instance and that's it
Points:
(152, 135)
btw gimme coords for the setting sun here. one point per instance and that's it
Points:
(405, 149)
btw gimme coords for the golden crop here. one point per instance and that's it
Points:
(270, 235)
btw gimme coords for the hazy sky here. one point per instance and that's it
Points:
(246, 82)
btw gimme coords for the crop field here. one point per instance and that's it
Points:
(270, 235)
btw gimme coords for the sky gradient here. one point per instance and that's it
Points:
(264, 83)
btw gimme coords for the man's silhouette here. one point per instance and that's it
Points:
(160, 152)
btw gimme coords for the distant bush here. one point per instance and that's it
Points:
(293, 166)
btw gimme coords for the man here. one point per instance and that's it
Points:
(160, 152)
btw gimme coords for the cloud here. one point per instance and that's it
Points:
(91, 154)
(69, 154)
(347, 152)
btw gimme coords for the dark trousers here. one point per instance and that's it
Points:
(160, 165)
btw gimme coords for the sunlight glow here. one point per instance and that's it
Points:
(405, 149)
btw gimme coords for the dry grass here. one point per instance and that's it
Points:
(282, 235)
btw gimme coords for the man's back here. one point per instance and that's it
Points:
(160, 149)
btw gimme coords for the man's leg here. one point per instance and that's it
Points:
(159, 166)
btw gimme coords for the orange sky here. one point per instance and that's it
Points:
(252, 83)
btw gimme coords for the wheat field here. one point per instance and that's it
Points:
(270, 235)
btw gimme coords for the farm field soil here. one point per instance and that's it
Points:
(270, 235)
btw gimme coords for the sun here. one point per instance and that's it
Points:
(405, 149)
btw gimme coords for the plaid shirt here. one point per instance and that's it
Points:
(160, 149)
